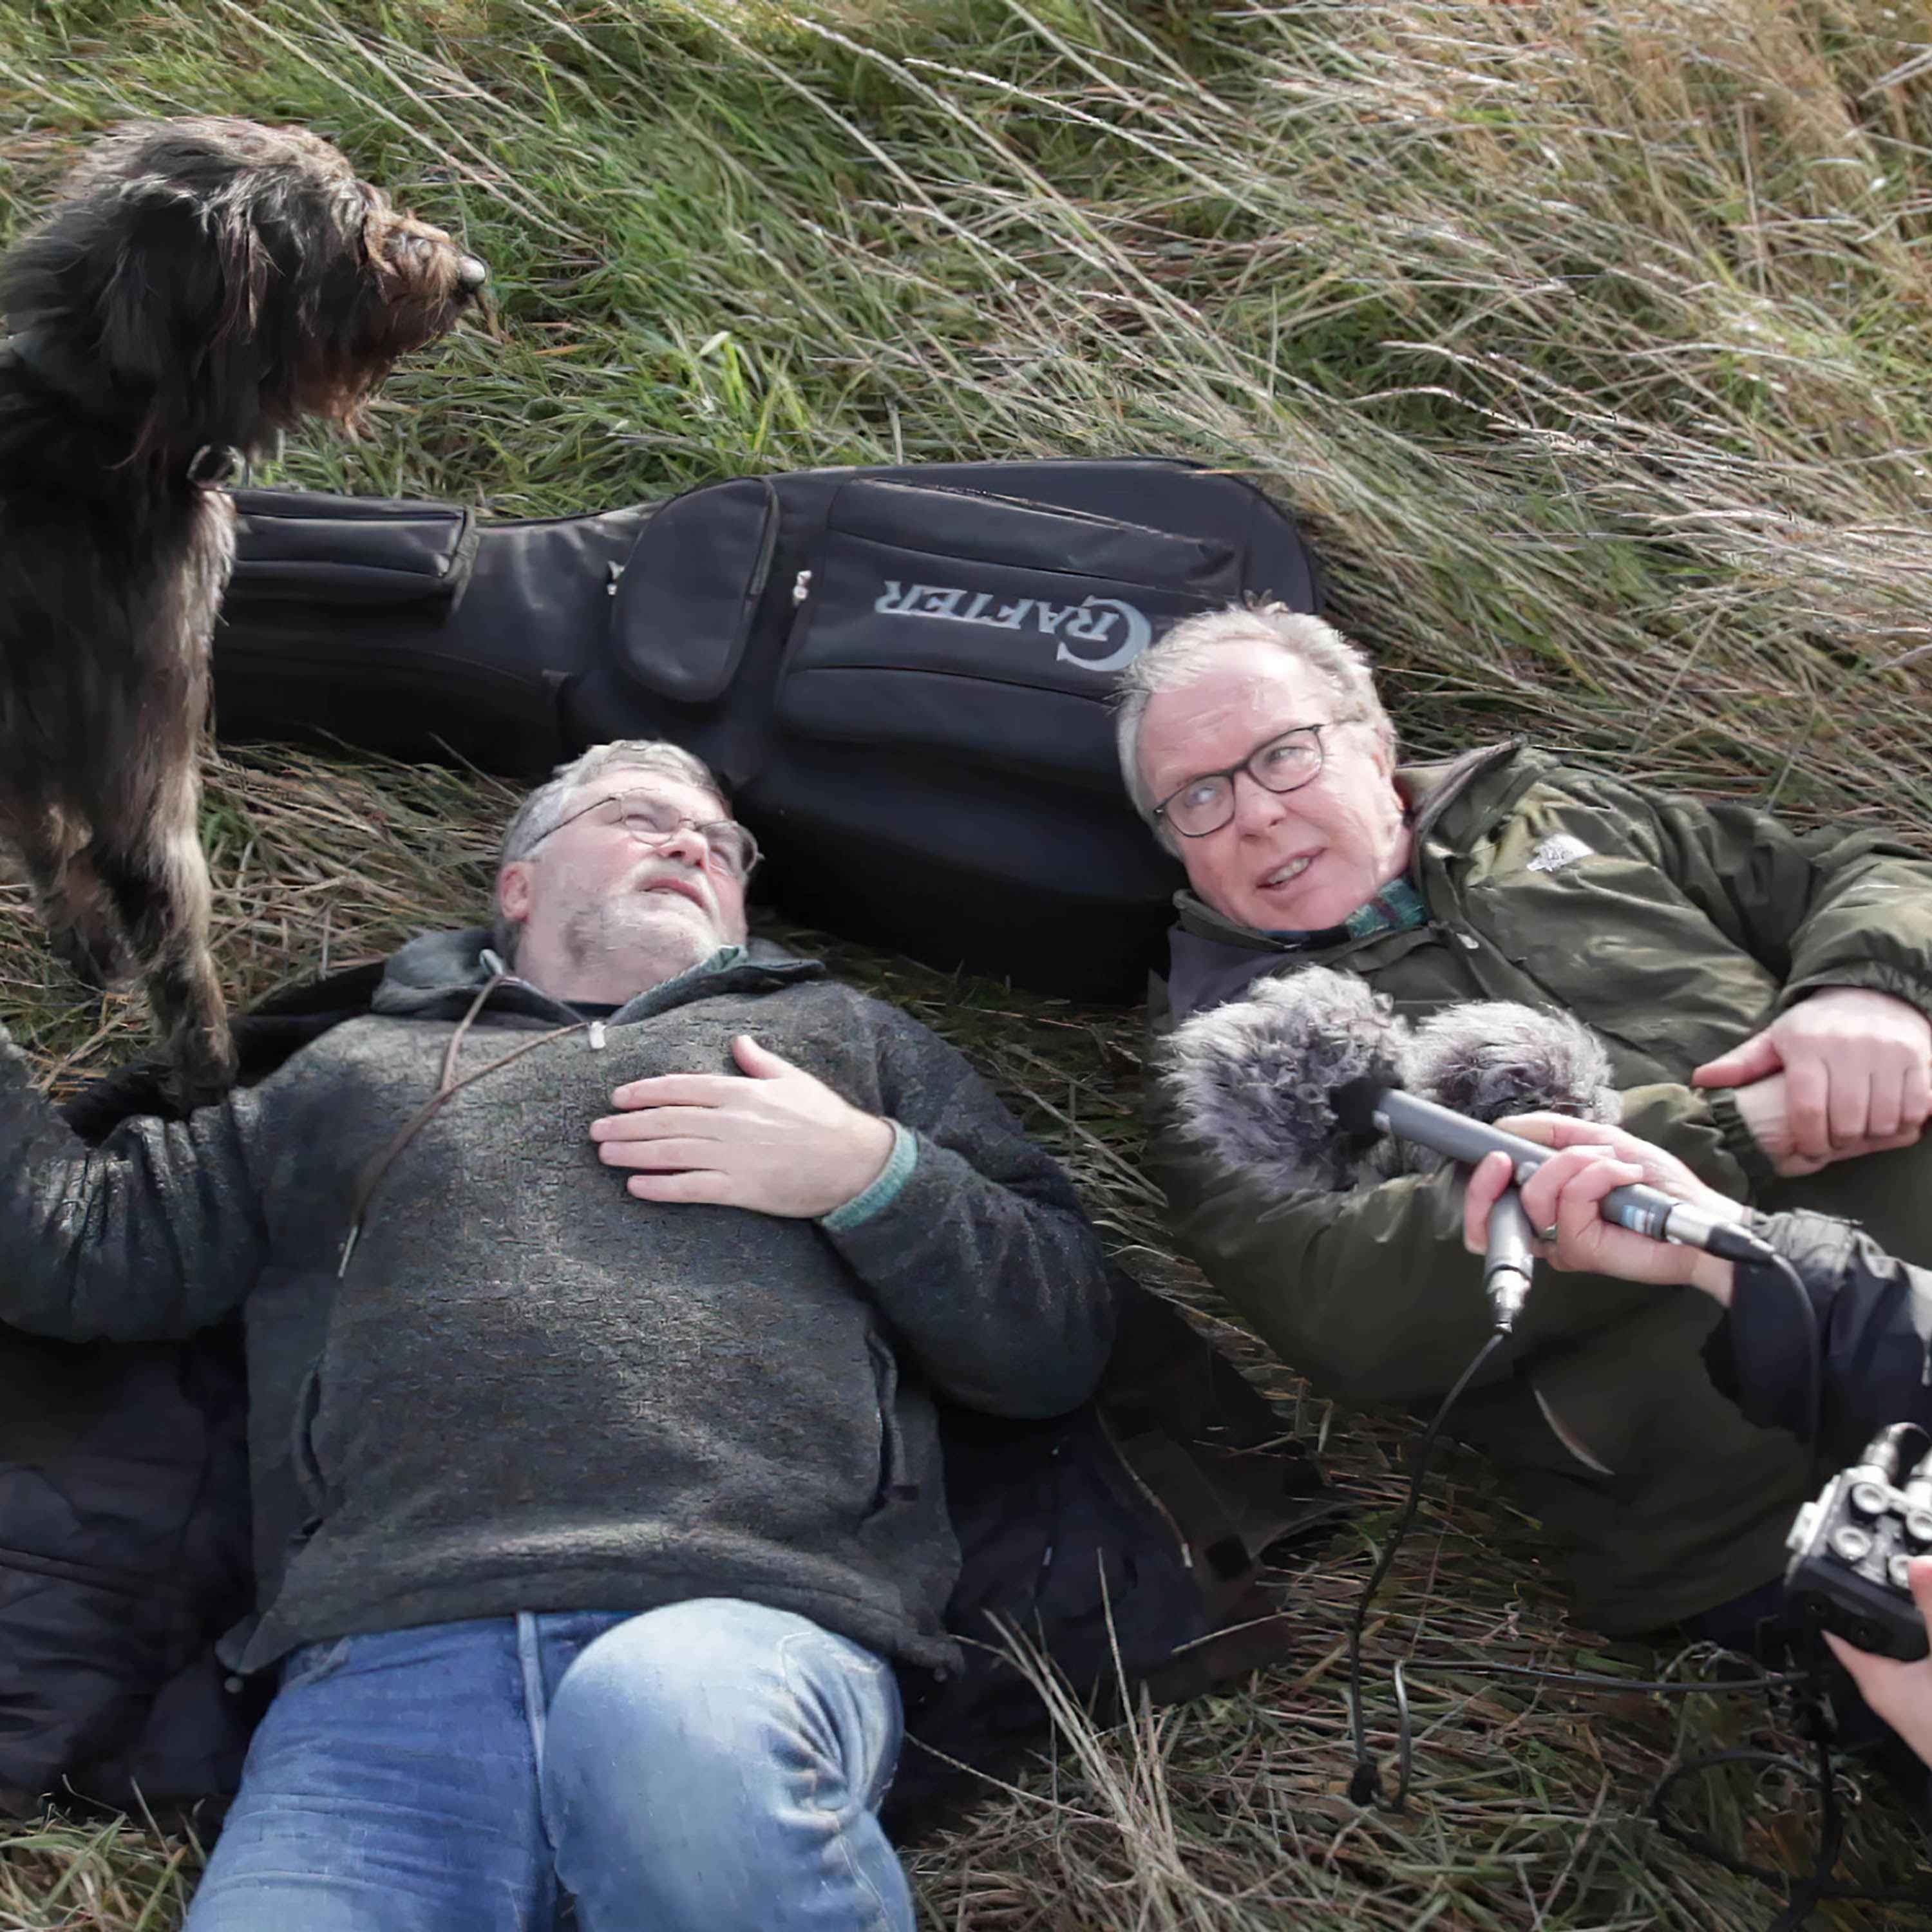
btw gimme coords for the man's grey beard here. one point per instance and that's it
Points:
(632, 935)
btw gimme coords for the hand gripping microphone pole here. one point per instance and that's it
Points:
(1365, 1108)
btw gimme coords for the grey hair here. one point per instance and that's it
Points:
(536, 817)
(1189, 653)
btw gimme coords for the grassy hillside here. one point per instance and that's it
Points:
(1591, 341)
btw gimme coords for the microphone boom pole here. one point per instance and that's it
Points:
(1367, 1107)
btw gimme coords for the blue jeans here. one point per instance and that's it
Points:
(710, 1766)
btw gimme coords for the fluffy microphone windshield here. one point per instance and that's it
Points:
(1494, 1058)
(1252, 1081)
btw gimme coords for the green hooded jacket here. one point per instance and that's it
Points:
(1675, 929)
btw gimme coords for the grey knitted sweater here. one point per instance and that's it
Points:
(528, 1390)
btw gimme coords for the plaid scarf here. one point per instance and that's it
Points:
(1396, 908)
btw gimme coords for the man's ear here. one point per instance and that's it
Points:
(514, 891)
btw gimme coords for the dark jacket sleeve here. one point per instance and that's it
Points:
(155, 1233)
(1872, 1313)
(989, 1274)
(1835, 906)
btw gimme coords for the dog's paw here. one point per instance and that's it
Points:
(202, 1067)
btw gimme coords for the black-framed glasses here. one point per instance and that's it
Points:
(652, 821)
(1286, 763)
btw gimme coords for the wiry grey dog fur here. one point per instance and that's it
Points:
(1251, 1081)
(198, 286)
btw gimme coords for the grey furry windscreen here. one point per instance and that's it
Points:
(1252, 1080)
(1493, 1058)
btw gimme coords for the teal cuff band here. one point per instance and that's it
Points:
(896, 1172)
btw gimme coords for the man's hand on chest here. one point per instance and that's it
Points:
(775, 1138)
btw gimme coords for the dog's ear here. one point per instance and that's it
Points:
(154, 277)
(177, 313)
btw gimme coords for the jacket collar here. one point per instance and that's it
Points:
(436, 976)
(1213, 959)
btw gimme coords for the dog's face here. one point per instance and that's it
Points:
(213, 280)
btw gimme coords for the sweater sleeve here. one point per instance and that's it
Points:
(155, 1233)
(1370, 1292)
(1835, 906)
(983, 1264)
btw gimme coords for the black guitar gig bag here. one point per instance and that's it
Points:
(901, 674)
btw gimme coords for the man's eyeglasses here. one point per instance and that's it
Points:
(1206, 803)
(651, 820)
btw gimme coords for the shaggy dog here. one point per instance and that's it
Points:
(200, 286)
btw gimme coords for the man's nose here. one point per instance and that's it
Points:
(688, 843)
(1256, 808)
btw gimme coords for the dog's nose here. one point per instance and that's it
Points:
(471, 274)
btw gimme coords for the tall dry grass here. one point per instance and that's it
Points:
(1590, 341)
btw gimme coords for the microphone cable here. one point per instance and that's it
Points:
(1365, 1781)
(1817, 1886)
(1765, 1255)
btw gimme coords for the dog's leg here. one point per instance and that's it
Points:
(81, 929)
(185, 993)
(160, 888)
(74, 903)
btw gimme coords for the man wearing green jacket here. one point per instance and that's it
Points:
(1763, 995)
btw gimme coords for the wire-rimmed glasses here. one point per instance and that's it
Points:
(652, 821)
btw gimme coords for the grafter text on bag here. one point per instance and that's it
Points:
(1093, 620)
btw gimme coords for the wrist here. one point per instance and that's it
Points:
(1755, 1171)
(883, 1189)
(873, 1141)
(1763, 1109)
(1701, 1126)
(1715, 1277)
(1761, 1119)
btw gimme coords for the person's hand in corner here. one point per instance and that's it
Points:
(1901, 1693)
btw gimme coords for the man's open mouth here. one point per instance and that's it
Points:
(1282, 875)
